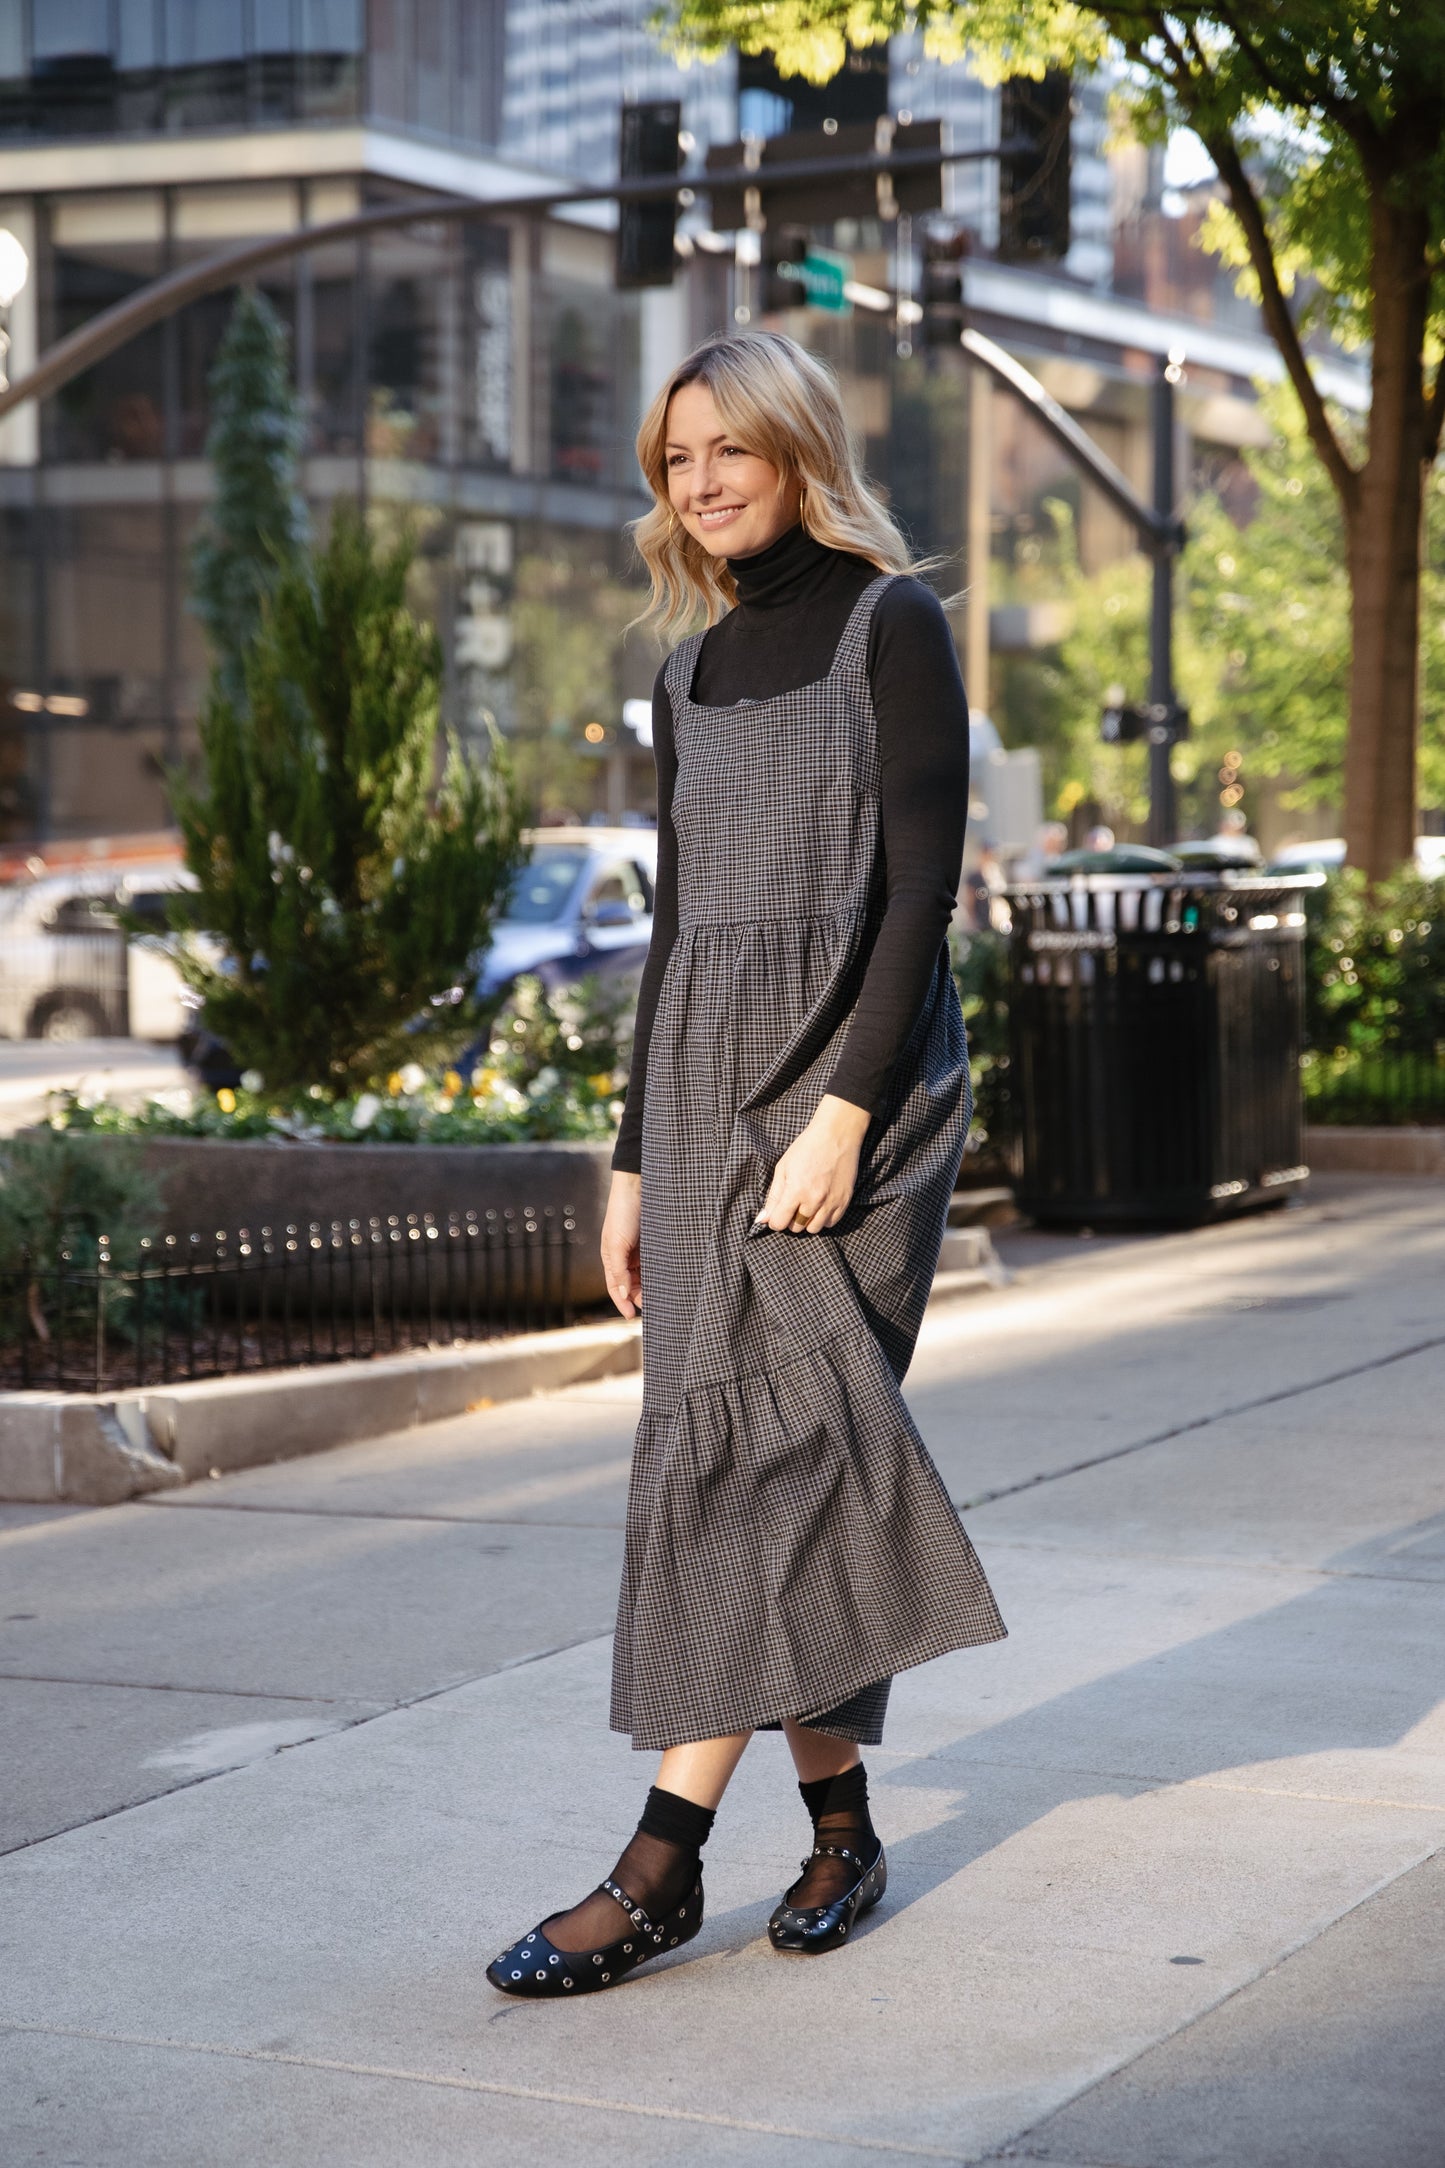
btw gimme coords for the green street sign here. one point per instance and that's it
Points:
(822, 274)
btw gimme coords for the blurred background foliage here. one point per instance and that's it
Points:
(1262, 646)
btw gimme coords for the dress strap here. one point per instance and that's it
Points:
(852, 655)
(682, 669)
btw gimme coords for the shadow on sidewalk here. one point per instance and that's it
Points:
(1306, 1677)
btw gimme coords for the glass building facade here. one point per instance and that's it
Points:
(154, 67)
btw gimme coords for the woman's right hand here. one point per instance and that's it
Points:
(622, 1243)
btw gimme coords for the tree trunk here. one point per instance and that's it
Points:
(1384, 525)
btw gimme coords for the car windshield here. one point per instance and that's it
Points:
(542, 889)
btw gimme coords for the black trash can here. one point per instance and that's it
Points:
(1154, 1026)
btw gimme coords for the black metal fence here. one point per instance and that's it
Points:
(320, 1293)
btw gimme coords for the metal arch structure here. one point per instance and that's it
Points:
(1161, 534)
(93, 341)
(1157, 530)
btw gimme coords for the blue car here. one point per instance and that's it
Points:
(582, 903)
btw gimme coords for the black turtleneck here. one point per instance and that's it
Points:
(794, 601)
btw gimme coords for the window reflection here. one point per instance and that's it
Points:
(135, 67)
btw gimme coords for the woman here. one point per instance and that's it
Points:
(790, 1138)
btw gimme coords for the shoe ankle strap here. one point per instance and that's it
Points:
(832, 1851)
(630, 1906)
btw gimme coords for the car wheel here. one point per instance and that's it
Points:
(68, 1016)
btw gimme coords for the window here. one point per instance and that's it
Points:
(83, 914)
(617, 896)
(543, 888)
(102, 249)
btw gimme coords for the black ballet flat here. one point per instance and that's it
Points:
(533, 1967)
(810, 1929)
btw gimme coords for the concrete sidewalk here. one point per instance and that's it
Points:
(286, 1757)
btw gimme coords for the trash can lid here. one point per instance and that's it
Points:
(1123, 858)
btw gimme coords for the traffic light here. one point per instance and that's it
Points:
(942, 292)
(1035, 168)
(859, 194)
(649, 149)
(784, 251)
(1125, 722)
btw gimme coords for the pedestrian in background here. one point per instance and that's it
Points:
(792, 1130)
(1036, 864)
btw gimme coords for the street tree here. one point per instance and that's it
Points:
(1325, 120)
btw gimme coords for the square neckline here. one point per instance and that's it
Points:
(730, 707)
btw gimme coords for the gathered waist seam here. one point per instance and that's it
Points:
(773, 918)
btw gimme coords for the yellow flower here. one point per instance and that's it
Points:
(393, 1084)
(602, 1082)
(484, 1082)
(226, 1100)
(452, 1082)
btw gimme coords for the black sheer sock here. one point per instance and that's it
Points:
(839, 1808)
(657, 1869)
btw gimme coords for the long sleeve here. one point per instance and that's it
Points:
(922, 714)
(627, 1154)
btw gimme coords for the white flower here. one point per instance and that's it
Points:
(546, 1080)
(252, 1080)
(364, 1113)
(398, 868)
(413, 1076)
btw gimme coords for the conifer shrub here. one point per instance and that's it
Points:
(349, 853)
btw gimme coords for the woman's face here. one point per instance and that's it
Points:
(733, 500)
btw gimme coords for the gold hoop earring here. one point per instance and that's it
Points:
(803, 509)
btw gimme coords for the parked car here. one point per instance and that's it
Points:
(68, 969)
(582, 903)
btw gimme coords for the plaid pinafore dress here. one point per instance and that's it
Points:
(790, 1544)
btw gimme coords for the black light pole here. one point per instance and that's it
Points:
(1163, 710)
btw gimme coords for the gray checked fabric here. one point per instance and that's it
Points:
(790, 1544)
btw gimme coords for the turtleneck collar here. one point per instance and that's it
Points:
(788, 571)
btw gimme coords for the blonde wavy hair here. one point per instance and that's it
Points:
(781, 403)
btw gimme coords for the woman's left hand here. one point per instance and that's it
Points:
(814, 1180)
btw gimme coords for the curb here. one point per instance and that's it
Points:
(97, 1449)
(1338, 1150)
